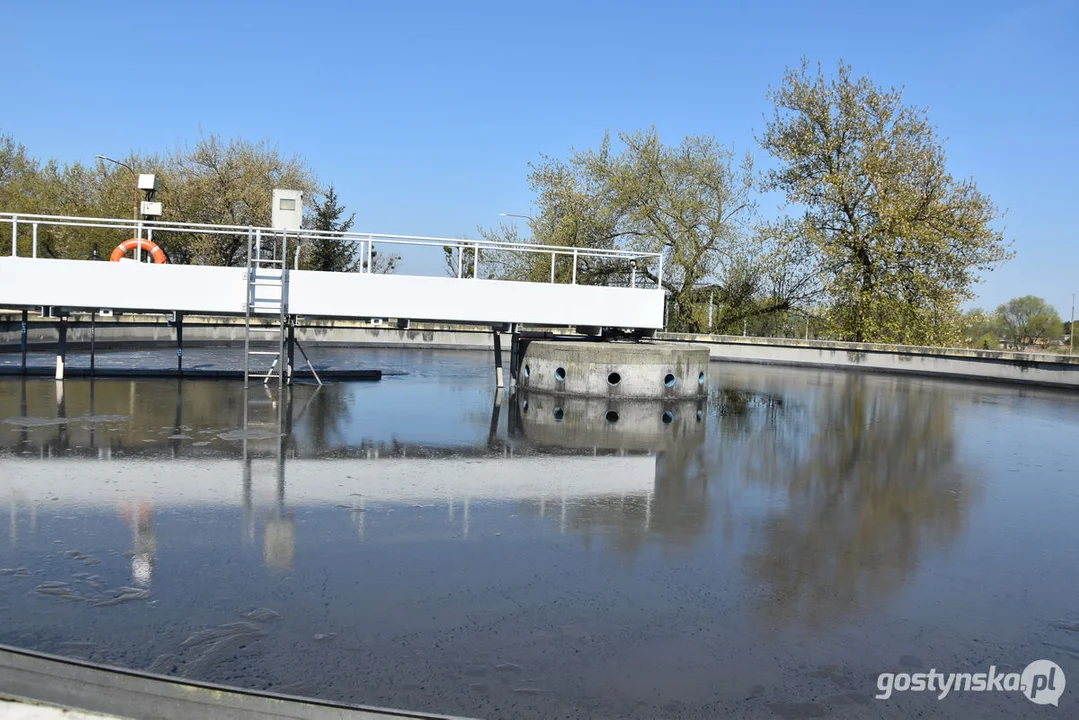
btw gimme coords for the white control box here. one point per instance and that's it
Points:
(287, 209)
(150, 209)
(148, 181)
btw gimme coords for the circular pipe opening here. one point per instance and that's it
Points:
(613, 379)
(560, 374)
(559, 413)
(524, 406)
(668, 417)
(700, 378)
(612, 416)
(528, 371)
(700, 415)
(669, 380)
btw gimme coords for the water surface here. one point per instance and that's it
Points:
(425, 543)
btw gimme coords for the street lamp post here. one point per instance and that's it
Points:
(135, 186)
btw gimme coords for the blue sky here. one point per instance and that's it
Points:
(425, 114)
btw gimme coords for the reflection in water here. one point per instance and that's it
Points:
(490, 543)
(867, 478)
(875, 482)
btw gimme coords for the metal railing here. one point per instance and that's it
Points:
(466, 252)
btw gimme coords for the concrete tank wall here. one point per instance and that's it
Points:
(992, 365)
(591, 368)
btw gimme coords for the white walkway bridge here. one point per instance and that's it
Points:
(265, 287)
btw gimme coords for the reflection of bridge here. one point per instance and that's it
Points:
(272, 293)
(529, 459)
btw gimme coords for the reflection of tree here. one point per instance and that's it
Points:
(328, 408)
(874, 483)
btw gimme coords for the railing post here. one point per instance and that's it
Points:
(476, 261)
(659, 275)
(552, 267)
(33, 242)
(460, 261)
(258, 245)
(14, 236)
(574, 266)
(633, 273)
(138, 245)
(370, 254)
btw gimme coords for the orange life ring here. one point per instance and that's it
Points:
(127, 245)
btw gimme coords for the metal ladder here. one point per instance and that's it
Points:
(267, 297)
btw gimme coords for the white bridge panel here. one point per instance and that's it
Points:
(121, 286)
(472, 300)
(29, 282)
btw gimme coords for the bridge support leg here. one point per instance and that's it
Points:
(25, 319)
(93, 340)
(290, 349)
(179, 344)
(498, 358)
(61, 348)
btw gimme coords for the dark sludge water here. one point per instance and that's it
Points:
(422, 543)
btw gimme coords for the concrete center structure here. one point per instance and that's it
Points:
(627, 370)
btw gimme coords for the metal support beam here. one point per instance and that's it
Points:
(498, 358)
(93, 341)
(61, 348)
(25, 320)
(308, 361)
(179, 343)
(290, 345)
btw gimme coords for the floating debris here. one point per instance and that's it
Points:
(323, 637)
(60, 592)
(259, 614)
(122, 595)
(220, 643)
(100, 418)
(222, 632)
(249, 434)
(34, 421)
(164, 663)
(509, 667)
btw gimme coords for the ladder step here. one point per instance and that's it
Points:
(263, 352)
(270, 375)
(272, 283)
(267, 329)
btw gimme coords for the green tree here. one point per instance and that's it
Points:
(899, 242)
(230, 183)
(1029, 320)
(981, 329)
(213, 181)
(692, 202)
(19, 173)
(338, 254)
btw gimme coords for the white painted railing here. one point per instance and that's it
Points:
(641, 269)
